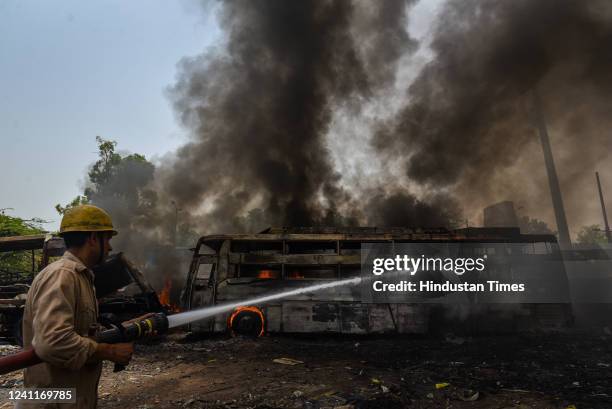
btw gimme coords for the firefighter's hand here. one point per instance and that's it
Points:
(120, 353)
(133, 320)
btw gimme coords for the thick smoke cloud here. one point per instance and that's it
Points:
(261, 111)
(467, 123)
(261, 107)
(145, 228)
(403, 209)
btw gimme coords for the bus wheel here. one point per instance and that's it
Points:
(247, 321)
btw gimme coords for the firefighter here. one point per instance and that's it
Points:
(61, 310)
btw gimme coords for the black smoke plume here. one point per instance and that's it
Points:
(261, 114)
(467, 122)
(260, 109)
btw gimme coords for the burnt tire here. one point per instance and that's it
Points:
(247, 323)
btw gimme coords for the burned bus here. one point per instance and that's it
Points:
(227, 269)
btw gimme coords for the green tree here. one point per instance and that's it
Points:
(592, 234)
(534, 226)
(116, 181)
(18, 261)
(103, 170)
(16, 226)
(77, 201)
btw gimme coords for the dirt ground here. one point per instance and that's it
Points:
(554, 370)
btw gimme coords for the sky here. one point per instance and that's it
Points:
(71, 70)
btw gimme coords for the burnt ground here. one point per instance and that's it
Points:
(553, 370)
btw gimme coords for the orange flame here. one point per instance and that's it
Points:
(266, 274)
(295, 275)
(164, 297)
(238, 310)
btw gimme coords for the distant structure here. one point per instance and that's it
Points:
(500, 214)
(603, 209)
(555, 191)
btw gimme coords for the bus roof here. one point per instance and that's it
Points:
(376, 234)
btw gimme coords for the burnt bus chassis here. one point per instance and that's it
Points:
(223, 266)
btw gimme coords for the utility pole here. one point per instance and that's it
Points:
(175, 227)
(565, 242)
(603, 209)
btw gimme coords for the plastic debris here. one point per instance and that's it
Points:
(287, 361)
(469, 395)
(442, 385)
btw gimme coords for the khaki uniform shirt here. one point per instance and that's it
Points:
(61, 311)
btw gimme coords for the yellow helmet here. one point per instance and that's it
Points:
(86, 218)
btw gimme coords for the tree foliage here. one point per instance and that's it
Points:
(19, 261)
(103, 170)
(592, 234)
(534, 226)
(77, 201)
(116, 181)
(16, 226)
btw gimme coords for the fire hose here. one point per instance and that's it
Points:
(160, 323)
(157, 323)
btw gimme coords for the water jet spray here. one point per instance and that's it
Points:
(160, 323)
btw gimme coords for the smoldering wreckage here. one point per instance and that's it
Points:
(299, 75)
(460, 360)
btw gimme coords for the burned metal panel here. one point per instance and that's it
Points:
(223, 263)
(243, 289)
(187, 296)
(380, 318)
(310, 317)
(20, 243)
(412, 318)
(201, 298)
(207, 259)
(354, 319)
(220, 323)
(273, 316)
(240, 258)
(204, 258)
(204, 273)
(384, 235)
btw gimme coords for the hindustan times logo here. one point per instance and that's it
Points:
(412, 265)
